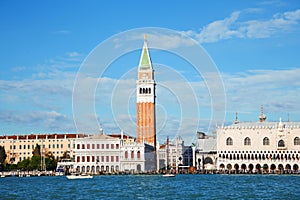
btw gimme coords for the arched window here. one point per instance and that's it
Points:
(281, 143)
(141, 90)
(229, 141)
(297, 141)
(266, 141)
(132, 154)
(149, 90)
(208, 160)
(78, 146)
(138, 168)
(138, 154)
(247, 141)
(144, 91)
(126, 154)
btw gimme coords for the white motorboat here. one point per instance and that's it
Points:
(169, 175)
(79, 176)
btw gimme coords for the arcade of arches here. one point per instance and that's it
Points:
(92, 169)
(259, 160)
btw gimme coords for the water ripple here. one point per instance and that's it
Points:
(153, 187)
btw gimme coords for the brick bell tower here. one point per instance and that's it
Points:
(145, 102)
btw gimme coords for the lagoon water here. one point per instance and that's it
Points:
(153, 187)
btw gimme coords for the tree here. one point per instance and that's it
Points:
(11, 167)
(2, 157)
(50, 164)
(37, 150)
(35, 163)
(23, 165)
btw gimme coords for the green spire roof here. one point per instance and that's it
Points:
(145, 61)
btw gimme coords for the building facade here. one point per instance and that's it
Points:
(101, 153)
(97, 153)
(20, 147)
(175, 155)
(145, 105)
(259, 146)
(206, 152)
(132, 156)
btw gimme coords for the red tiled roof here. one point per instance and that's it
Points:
(14, 137)
(22, 137)
(31, 136)
(60, 136)
(72, 135)
(43, 136)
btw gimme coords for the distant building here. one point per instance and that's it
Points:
(174, 154)
(20, 147)
(97, 153)
(132, 156)
(102, 153)
(206, 152)
(259, 146)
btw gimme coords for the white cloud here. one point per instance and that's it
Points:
(277, 90)
(73, 54)
(37, 120)
(219, 30)
(279, 23)
(232, 27)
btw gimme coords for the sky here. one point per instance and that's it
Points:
(251, 46)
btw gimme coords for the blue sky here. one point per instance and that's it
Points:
(255, 46)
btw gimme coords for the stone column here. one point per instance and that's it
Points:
(194, 155)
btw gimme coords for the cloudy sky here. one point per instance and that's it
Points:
(251, 47)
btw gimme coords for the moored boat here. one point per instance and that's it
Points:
(168, 175)
(79, 176)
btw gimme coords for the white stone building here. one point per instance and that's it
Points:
(206, 152)
(132, 156)
(101, 153)
(97, 153)
(174, 154)
(259, 146)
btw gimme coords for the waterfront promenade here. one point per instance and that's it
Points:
(231, 172)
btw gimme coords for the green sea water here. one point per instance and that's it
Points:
(153, 187)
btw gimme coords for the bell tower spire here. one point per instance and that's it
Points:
(145, 60)
(145, 103)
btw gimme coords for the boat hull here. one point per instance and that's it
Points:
(72, 177)
(169, 175)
